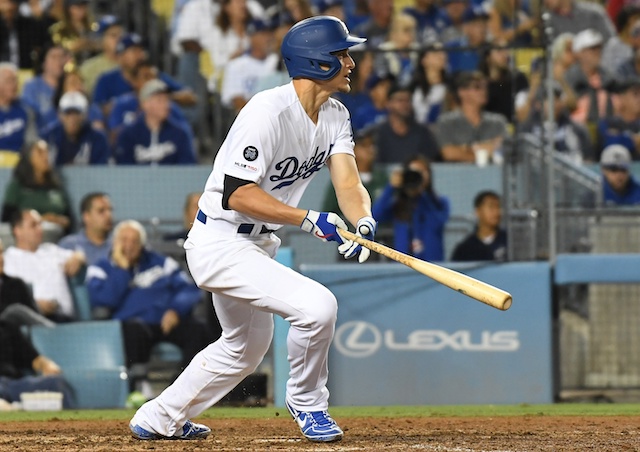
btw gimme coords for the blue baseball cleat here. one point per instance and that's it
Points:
(316, 425)
(190, 430)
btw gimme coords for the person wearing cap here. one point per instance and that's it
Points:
(110, 84)
(376, 28)
(22, 39)
(17, 123)
(619, 187)
(241, 74)
(373, 110)
(589, 79)
(154, 138)
(623, 126)
(109, 29)
(126, 107)
(450, 22)
(510, 23)
(333, 8)
(400, 136)
(473, 40)
(573, 16)
(426, 13)
(620, 48)
(72, 139)
(38, 92)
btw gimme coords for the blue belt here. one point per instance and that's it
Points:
(244, 228)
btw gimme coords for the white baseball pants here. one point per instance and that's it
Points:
(248, 287)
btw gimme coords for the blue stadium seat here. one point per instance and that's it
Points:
(80, 295)
(91, 356)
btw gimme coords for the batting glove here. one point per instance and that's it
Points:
(323, 225)
(365, 228)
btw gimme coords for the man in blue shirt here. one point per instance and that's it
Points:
(118, 81)
(474, 38)
(16, 121)
(73, 140)
(94, 240)
(620, 188)
(38, 92)
(126, 107)
(154, 138)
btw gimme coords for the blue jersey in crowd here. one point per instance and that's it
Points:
(38, 95)
(13, 126)
(137, 144)
(154, 286)
(630, 197)
(112, 84)
(462, 60)
(126, 109)
(91, 146)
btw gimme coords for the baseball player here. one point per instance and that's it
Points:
(279, 140)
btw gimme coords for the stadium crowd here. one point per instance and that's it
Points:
(436, 81)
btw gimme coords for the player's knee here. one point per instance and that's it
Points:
(322, 310)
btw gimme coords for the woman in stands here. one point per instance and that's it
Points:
(36, 185)
(430, 85)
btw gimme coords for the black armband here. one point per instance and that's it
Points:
(231, 184)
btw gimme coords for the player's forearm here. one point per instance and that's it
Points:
(251, 200)
(355, 203)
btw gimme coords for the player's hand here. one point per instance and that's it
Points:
(324, 225)
(365, 228)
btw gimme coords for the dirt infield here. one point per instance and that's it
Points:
(455, 434)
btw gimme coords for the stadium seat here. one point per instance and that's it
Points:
(91, 356)
(80, 296)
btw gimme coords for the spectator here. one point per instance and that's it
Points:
(623, 127)
(149, 294)
(417, 213)
(110, 30)
(621, 47)
(400, 136)
(376, 27)
(574, 16)
(331, 8)
(94, 239)
(38, 92)
(373, 110)
(118, 81)
(290, 11)
(242, 73)
(373, 178)
(36, 185)
(73, 32)
(18, 354)
(589, 79)
(510, 23)
(570, 138)
(126, 107)
(427, 15)
(22, 39)
(16, 121)
(72, 139)
(72, 81)
(465, 52)
(488, 241)
(504, 83)
(229, 37)
(619, 187)
(154, 138)
(470, 129)
(452, 19)
(430, 85)
(189, 211)
(400, 54)
(45, 266)
(17, 305)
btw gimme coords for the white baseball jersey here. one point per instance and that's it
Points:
(274, 143)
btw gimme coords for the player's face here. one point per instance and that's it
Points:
(129, 242)
(341, 82)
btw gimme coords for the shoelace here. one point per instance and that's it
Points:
(321, 418)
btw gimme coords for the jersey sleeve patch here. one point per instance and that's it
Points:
(250, 153)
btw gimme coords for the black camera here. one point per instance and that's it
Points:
(411, 180)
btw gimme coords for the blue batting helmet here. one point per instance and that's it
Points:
(311, 42)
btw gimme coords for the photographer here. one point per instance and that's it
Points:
(418, 215)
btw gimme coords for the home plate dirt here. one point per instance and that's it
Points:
(450, 434)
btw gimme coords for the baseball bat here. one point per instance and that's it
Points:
(457, 281)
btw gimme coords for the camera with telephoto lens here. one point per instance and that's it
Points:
(411, 180)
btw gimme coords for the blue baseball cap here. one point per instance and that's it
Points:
(105, 23)
(258, 25)
(324, 5)
(129, 40)
(474, 13)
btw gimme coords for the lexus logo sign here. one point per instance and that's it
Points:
(358, 339)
